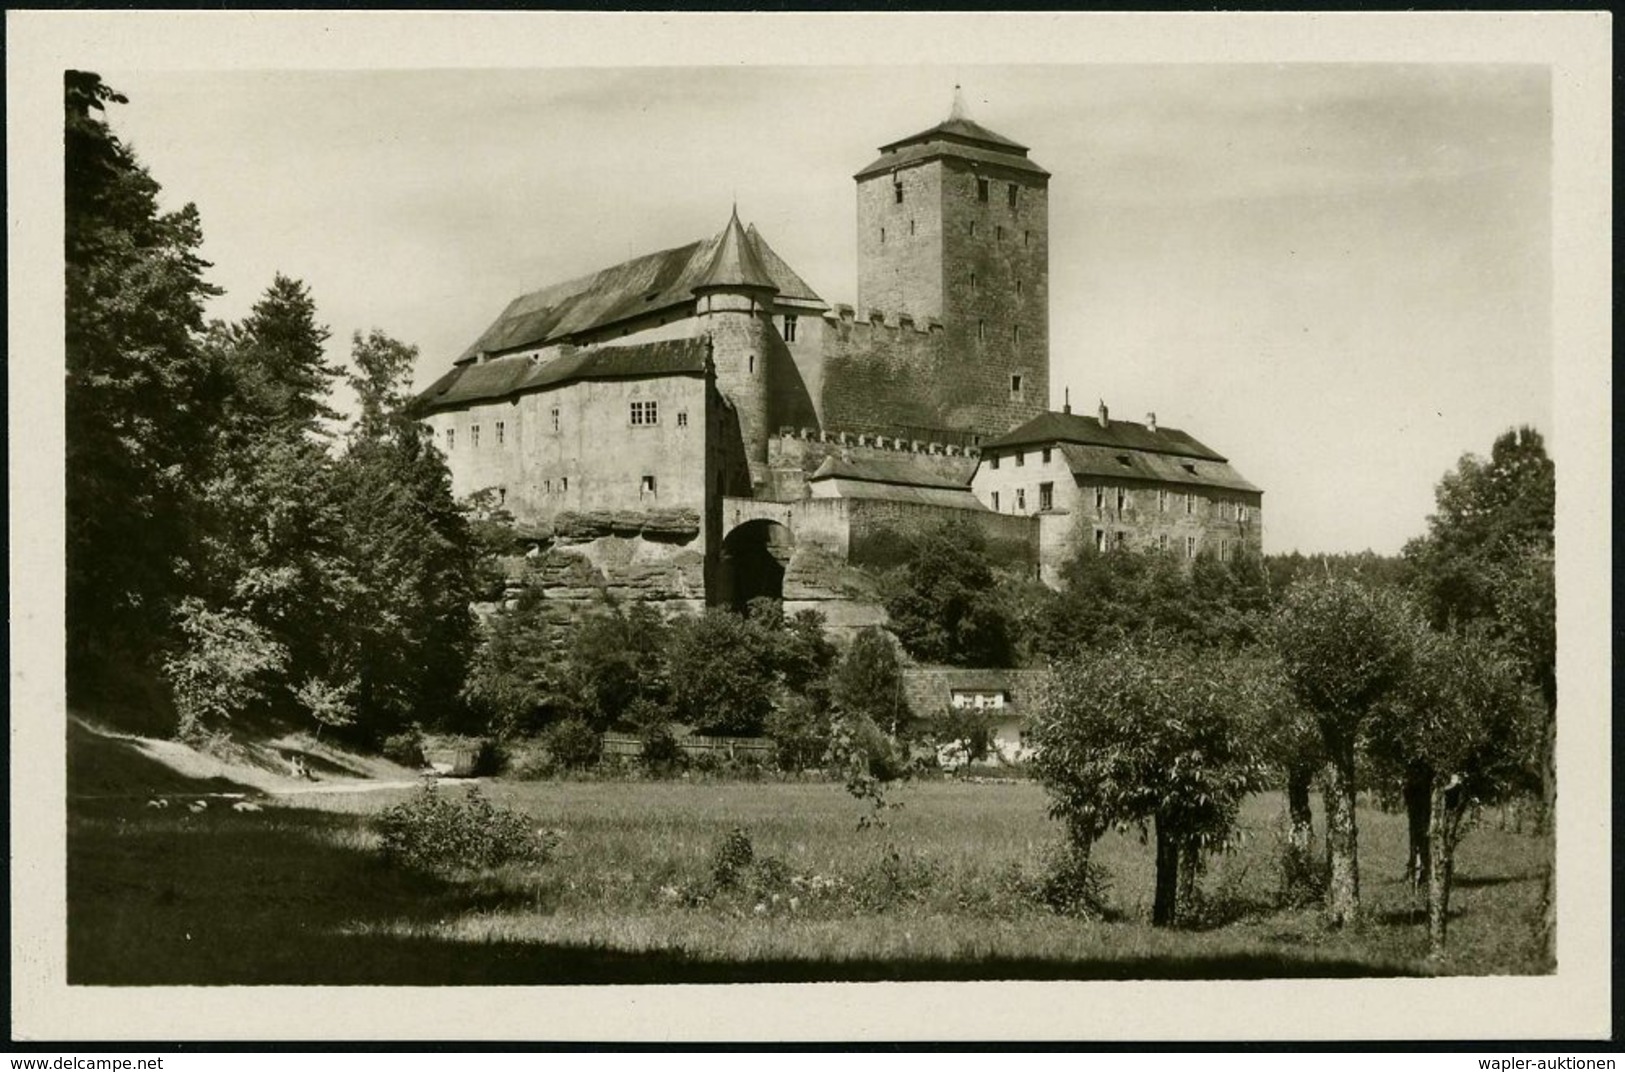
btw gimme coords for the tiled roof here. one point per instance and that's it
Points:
(641, 285)
(1052, 427)
(734, 263)
(952, 498)
(959, 128)
(931, 150)
(503, 376)
(929, 690)
(904, 469)
(1145, 465)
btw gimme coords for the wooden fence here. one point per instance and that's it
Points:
(763, 748)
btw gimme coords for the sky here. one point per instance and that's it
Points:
(1337, 275)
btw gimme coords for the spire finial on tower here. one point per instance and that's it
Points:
(959, 111)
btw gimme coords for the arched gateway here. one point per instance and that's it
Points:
(754, 557)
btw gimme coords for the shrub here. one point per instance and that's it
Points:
(732, 858)
(800, 731)
(1070, 885)
(572, 743)
(431, 833)
(405, 748)
(661, 751)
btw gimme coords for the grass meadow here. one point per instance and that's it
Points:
(299, 894)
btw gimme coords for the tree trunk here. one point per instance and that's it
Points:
(1190, 869)
(1439, 839)
(1342, 839)
(1418, 792)
(1298, 863)
(1165, 903)
(1548, 823)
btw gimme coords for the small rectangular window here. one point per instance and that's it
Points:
(1011, 192)
(973, 228)
(1021, 458)
(1018, 288)
(973, 281)
(451, 439)
(1100, 539)
(1021, 500)
(981, 330)
(995, 502)
(1162, 501)
(910, 226)
(564, 483)
(897, 193)
(1100, 500)
(474, 436)
(1190, 547)
(1122, 500)
(1026, 238)
(547, 486)
(998, 232)
(1015, 334)
(1120, 540)
(682, 418)
(645, 413)
(1046, 455)
(1046, 495)
(501, 429)
(981, 189)
(1242, 513)
(1162, 542)
(882, 236)
(553, 416)
(992, 461)
(1190, 503)
(789, 329)
(648, 485)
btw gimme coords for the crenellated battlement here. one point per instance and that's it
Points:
(880, 319)
(902, 440)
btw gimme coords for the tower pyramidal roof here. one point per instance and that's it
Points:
(735, 262)
(958, 136)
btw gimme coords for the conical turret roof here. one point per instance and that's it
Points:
(735, 263)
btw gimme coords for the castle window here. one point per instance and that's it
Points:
(474, 436)
(992, 461)
(451, 439)
(973, 280)
(897, 193)
(564, 483)
(682, 418)
(1021, 458)
(1015, 333)
(1241, 512)
(1046, 495)
(1018, 288)
(1011, 192)
(500, 430)
(981, 190)
(1122, 500)
(648, 485)
(750, 363)
(645, 413)
(1162, 501)
(1190, 547)
(1162, 542)
(1100, 500)
(1046, 455)
(995, 502)
(553, 416)
(1021, 500)
(1120, 540)
(910, 226)
(1100, 539)
(1224, 550)
(882, 236)
(998, 232)
(973, 228)
(789, 329)
(547, 486)
(1190, 503)
(1026, 238)
(981, 330)
(1016, 387)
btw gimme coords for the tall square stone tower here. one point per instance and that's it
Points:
(953, 224)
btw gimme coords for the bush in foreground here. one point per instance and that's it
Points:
(431, 833)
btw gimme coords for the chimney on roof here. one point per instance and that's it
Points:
(958, 111)
(1100, 415)
(1151, 422)
(1066, 406)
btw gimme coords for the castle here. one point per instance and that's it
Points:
(698, 425)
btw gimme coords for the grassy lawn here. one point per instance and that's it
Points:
(299, 894)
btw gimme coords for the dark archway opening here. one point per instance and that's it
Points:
(753, 561)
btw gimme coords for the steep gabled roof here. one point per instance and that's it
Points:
(501, 377)
(1113, 462)
(929, 690)
(642, 285)
(1052, 427)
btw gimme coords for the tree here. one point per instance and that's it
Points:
(942, 602)
(381, 380)
(1344, 649)
(518, 680)
(616, 658)
(139, 396)
(867, 692)
(1144, 732)
(1465, 721)
(278, 360)
(722, 673)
